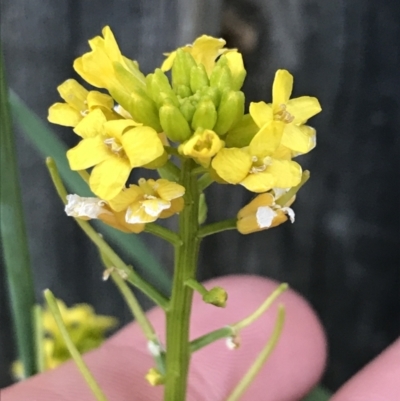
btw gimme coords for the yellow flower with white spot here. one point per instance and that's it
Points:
(202, 146)
(263, 213)
(294, 113)
(204, 50)
(78, 103)
(113, 149)
(87, 208)
(254, 166)
(98, 66)
(148, 201)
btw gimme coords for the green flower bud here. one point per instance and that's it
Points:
(221, 78)
(187, 109)
(174, 123)
(205, 115)
(140, 107)
(181, 68)
(230, 111)
(131, 82)
(183, 91)
(217, 296)
(242, 133)
(212, 93)
(198, 78)
(160, 88)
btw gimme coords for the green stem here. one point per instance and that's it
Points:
(217, 227)
(39, 337)
(13, 238)
(98, 240)
(178, 314)
(83, 369)
(262, 357)
(164, 233)
(234, 329)
(138, 314)
(196, 286)
(169, 171)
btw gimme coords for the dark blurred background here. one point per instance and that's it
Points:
(342, 253)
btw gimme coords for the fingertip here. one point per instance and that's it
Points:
(378, 381)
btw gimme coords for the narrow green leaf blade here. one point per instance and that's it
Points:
(318, 394)
(13, 238)
(46, 141)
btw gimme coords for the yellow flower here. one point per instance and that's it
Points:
(297, 137)
(95, 208)
(98, 66)
(202, 146)
(148, 201)
(86, 329)
(263, 213)
(79, 102)
(254, 166)
(114, 148)
(204, 50)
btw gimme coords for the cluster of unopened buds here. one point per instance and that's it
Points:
(191, 107)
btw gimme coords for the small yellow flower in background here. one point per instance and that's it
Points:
(86, 329)
(263, 213)
(297, 137)
(95, 208)
(150, 200)
(202, 146)
(78, 103)
(254, 166)
(113, 148)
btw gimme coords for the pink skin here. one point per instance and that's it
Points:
(294, 367)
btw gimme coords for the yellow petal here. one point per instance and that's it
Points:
(267, 140)
(235, 64)
(154, 207)
(168, 190)
(303, 108)
(266, 199)
(142, 145)
(116, 128)
(259, 182)
(232, 164)
(287, 173)
(282, 87)
(64, 114)
(74, 94)
(126, 197)
(136, 214)
(98, 99)
(177, 206)
(297, 139)
(205, 50)
(92, 125)
(261, 113)
(169, 61)
(111, 45)
(109, 177)
(88, 153)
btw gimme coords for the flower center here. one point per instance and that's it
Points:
(283, 115)
(114, 146)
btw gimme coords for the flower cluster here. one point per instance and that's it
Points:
(86, 329)
(191, 107)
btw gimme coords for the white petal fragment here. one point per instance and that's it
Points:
(265, 215)
(91, 208)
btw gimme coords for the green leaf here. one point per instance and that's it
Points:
(46, 141)
(13, 238)
(318, 394)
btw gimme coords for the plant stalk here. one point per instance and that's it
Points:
(178, 314)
